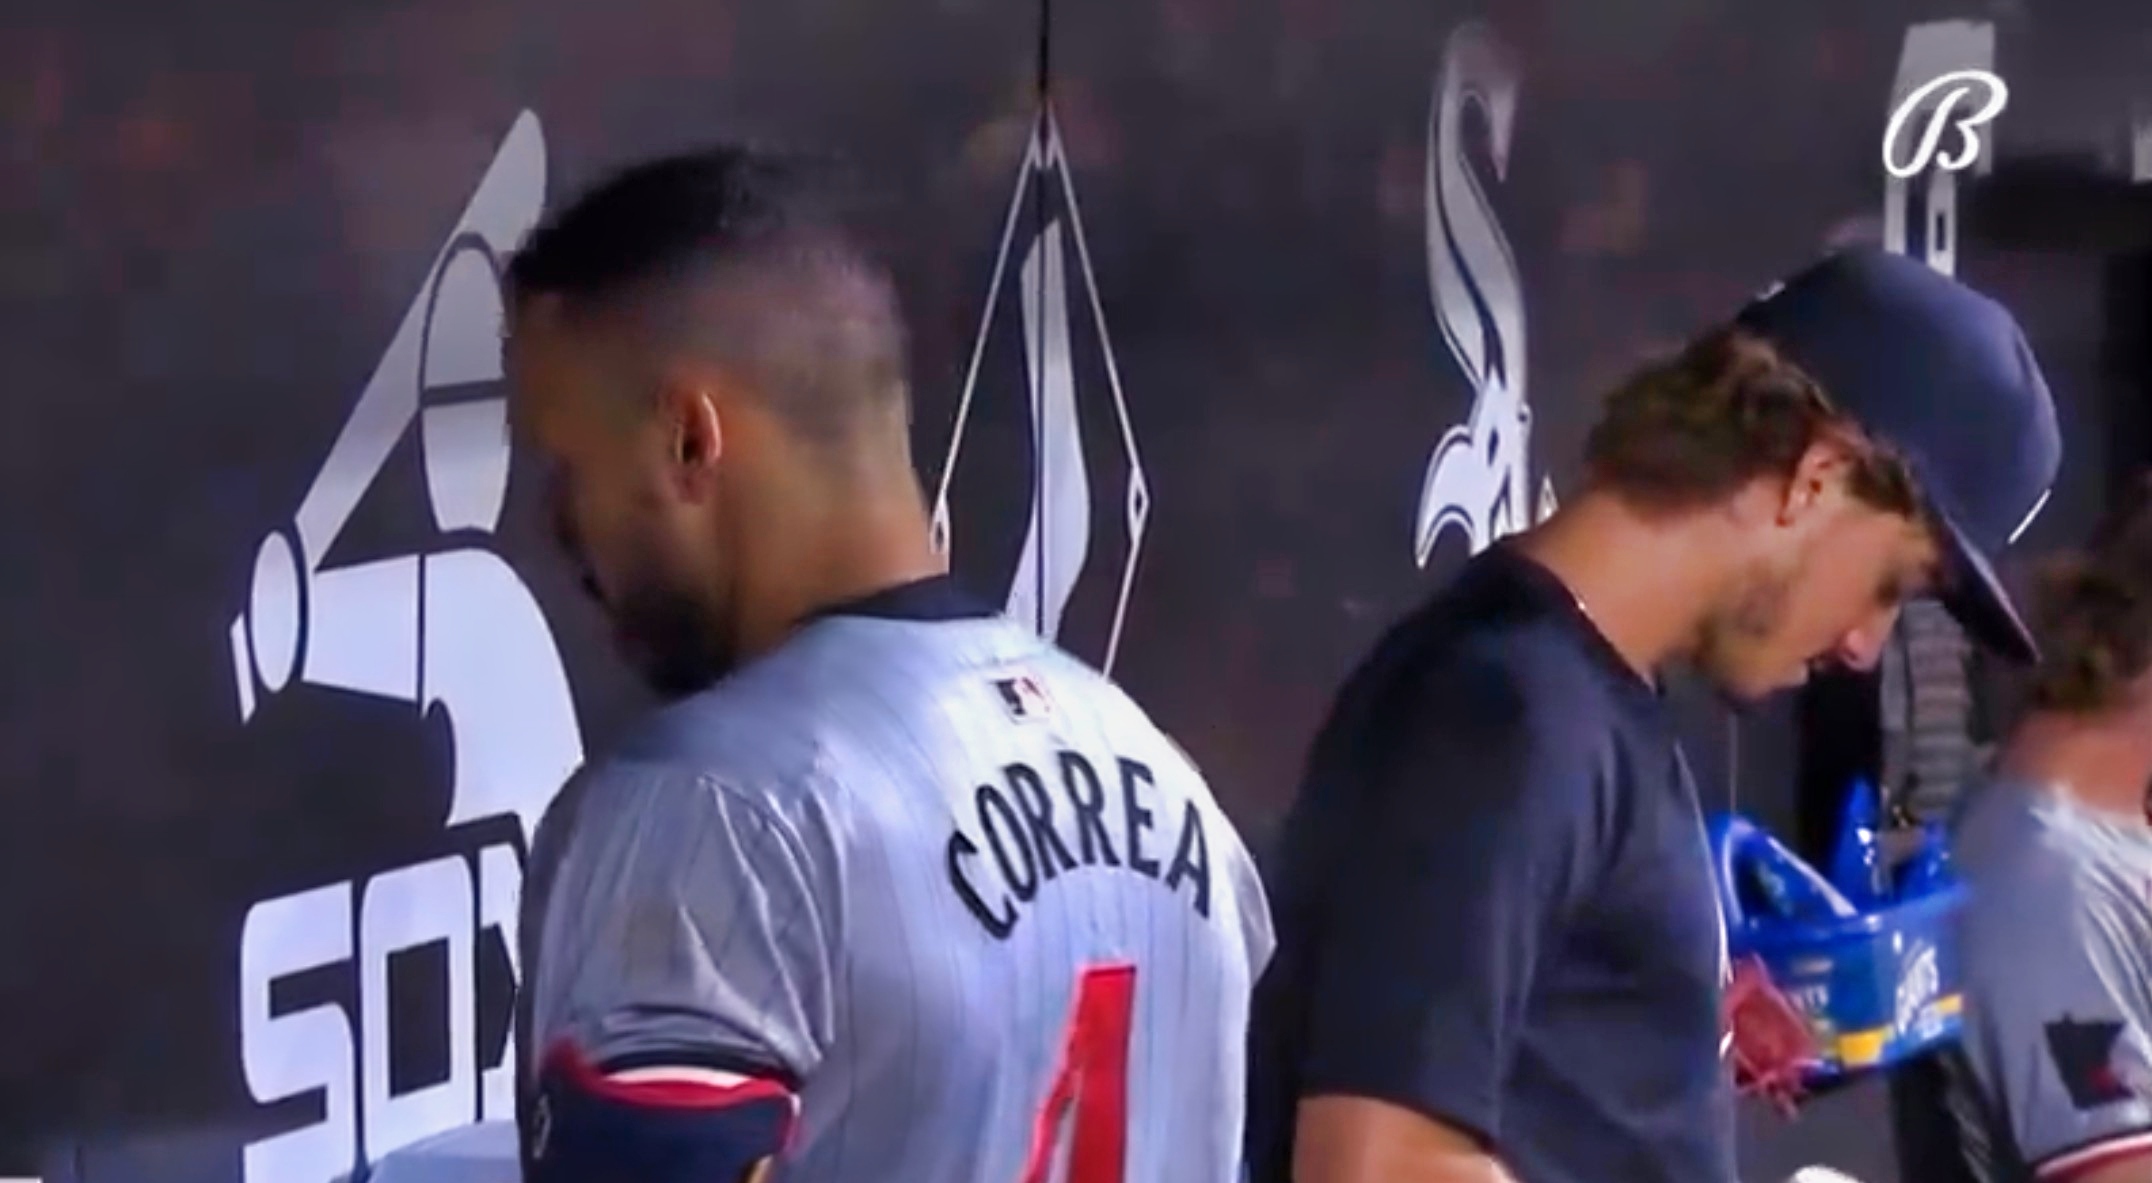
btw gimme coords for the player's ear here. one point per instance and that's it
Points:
(694, 436)
(1820, 469)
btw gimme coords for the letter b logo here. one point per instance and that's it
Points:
(1948, 102)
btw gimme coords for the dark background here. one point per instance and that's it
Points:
(212, 216)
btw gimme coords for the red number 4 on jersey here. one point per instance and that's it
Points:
(1089, 1098)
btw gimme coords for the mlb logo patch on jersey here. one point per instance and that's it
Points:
(1023, 697)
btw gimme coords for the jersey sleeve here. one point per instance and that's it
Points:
(1478, 835)
(2055, 1036)
(706, 941)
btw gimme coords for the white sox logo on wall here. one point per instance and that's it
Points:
(452, 630)
(1083, 459)
(1478, 479)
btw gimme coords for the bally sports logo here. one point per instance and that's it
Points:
(1938, 99)
(1942, 66)
(452, 632)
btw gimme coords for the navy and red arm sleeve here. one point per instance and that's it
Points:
(657, 1123)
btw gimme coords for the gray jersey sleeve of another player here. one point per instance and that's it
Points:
(2055, 1032)
(706, 938)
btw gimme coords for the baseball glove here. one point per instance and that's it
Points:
(1769, 1039)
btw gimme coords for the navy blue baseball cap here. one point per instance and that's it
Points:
(1943, 374)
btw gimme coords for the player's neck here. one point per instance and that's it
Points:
(2103, 764)
(828, 551)
(1644, 583)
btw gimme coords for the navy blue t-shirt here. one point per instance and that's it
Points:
(1494, 905)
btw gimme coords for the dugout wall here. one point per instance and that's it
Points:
(1304, 299)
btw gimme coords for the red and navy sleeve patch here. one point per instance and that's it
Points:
(655, 1123)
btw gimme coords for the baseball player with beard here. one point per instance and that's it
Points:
(1500, 955)
(892, 889)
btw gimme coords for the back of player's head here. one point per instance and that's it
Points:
(743, 257)
(2094, 615)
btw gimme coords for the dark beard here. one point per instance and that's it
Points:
(672, 642)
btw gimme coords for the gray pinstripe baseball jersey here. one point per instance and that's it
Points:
(945, 879)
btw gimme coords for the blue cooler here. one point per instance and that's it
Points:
(1877, 983)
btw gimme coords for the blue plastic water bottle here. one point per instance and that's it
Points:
(1790, 890)
(1857, 859)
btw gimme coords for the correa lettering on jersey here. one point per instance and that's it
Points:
(1036, 825)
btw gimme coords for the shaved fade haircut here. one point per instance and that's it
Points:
(742, 258)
